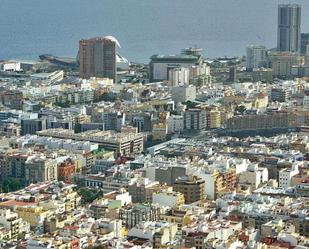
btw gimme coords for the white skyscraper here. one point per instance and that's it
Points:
(256, 57)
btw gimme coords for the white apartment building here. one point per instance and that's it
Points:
(168, 199)
(13, 223)
(179, 76)
(253, 177)
(183, 93)
(175, 124)
(285, 176)
(10, 66)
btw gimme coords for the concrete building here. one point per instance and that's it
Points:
(261, 121)
(113, 121)
(213, 119)
(13, 223)
(16, 114)
(256, 57)
(175, 124)
(142, 189)
(168, 199)
(31, 126)
(98, 58)
(34, 215)
(304, 47)
(218, 183)
(168, 175)
(123, 143)
(289, 27)
(52, 143)
(205, 234)
(16, 166)
(192, 187)
(10, 66)
(286, 175)
(160, 65)
(199, 70)
(200, 75)
(108, 184)
(253, 177)
(132, 215)
(195, 119)
(232, 74)
(159, 131)
(12, 99)
(280, 94)
(282, 62)
(41, 169)
(179, 76)
(142, 122)
(183, 93)
(66, 171)
(160, 234)
(300, 71)
(262, 74)
(48, 78)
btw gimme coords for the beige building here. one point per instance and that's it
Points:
(214, 119)
(192, 187)
(260, 121)
(12, 223)
(282, 62)
(159, 131)
(121, 143)
(41, 169)
(158, 233)
(34, 215)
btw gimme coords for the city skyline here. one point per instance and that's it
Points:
(181, 151)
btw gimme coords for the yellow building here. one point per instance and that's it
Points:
(178, 216)
(261, 101)
(33, 215)
(215, 119)
(101, 82)
(81, 118)
(159, 131)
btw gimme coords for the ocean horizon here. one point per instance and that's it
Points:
(143, 28)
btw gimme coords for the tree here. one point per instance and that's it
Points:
(89, 195)
(190, 104)
(107, 97)
(9, 185)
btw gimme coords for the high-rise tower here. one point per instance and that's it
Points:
(289, 27)
(98, 58)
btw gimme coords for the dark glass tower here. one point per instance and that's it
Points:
(304, 43)
(289, 25)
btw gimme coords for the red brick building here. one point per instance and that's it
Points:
(66, 171)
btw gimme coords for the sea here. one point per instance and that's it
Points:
(29, 28)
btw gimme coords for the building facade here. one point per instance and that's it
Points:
(304, 43)
(192, 187)
(256, 57)
(97, 58)
(195, 119)
(160, 65)
(289, 27)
